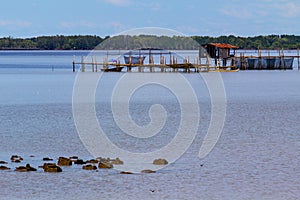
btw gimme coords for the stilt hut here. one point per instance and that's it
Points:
(220, 52)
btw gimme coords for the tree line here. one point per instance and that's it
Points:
(58, 42)
(255, 42)
(149, 41)
(88, 42)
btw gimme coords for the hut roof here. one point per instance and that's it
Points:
(223, 46)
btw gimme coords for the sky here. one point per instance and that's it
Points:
(31, 18)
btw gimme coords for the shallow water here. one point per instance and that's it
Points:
(256, 157)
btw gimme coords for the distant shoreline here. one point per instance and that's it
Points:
(89, 42)
(27, 49)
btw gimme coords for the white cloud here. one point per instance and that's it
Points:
(118, 27)
(242, 13)
(288, 9)
(82, 23)
(271, 9)
(118, 2)
(14, 23)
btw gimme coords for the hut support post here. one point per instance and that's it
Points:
(73, 63)
(93, 67)
(298, 52)
(82, 64)
(96, 65)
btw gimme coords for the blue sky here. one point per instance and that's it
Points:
(27, 18)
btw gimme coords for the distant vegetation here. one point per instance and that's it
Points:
(149, 41)
(60, 42)
(261, 42)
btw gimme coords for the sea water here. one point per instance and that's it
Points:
(256, 156)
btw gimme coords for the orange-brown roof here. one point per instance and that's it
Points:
(224, 46)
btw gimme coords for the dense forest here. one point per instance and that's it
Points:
(79, 42)
(256, 42)
(149, 41)
(58, 42)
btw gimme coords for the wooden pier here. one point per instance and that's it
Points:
(158, 60)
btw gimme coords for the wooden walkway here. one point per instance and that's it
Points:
(158, 62)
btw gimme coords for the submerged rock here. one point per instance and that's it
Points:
(160, 161)
(62, 161)
(47, 159)
(26, 168)
(89, 167)
(79, 162)
(92, 161)
(4, 168)
(16, 158)
(117, 161)
(21, 169)
(74, 158)
(148, 171)
(105, 165)
(51, 167)
(124, 172)
(29, 168)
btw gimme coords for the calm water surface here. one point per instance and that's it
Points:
(256, 157)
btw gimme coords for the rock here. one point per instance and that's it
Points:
(46, 165)
(51, 167)
(74, 157)
(26, 168)
(89, 167)
(79, 162)
(117, 161)
(47, 159)
(100, 159)
(21, 169)
(124, 172)
(4, 168)
(62, 161)
(3, 162)
(160, 161)
(92, 161)
(148, 171)
(29, 168)
(16, 158)
(105, 165)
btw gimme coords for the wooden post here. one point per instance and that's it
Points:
(282, 59)
(298, 52)
(93, 64)
(82, 63)
(96, 65)
(259, 58)
(73, 63)
(149, 56)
